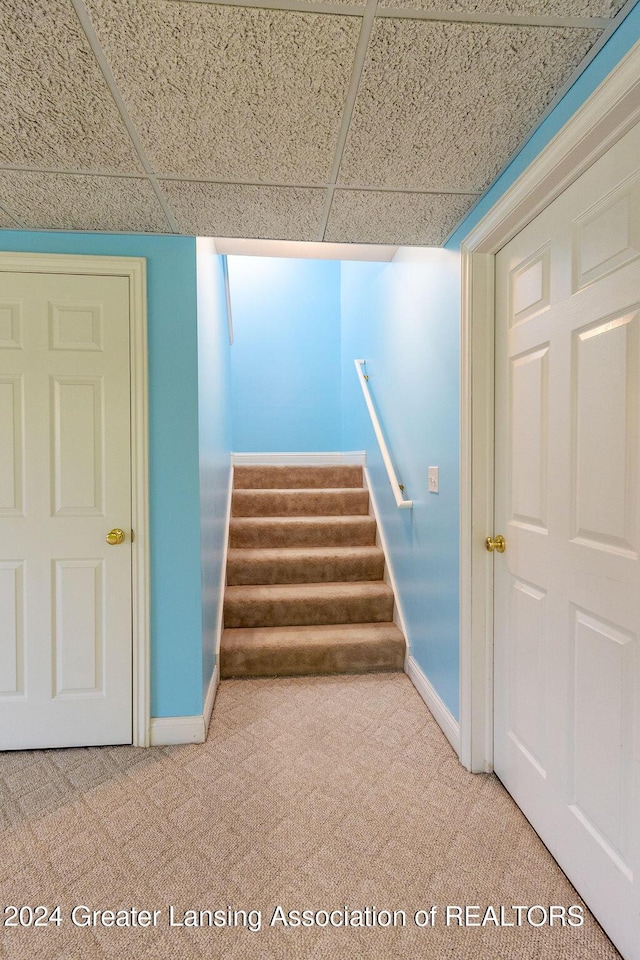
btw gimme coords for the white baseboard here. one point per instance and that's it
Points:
(441, 713)
(210, 699)
(389, 576)
(165, 731)
(171, 730)
(223, 570)
(356, 458)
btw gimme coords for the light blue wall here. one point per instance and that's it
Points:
(619, 44)
(403, 318)
(176, 594)
(285, 359)
(214, 407)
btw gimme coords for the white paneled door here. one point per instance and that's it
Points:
(567, 589)
(65, 483)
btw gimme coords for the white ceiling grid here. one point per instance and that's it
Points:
(359, 121)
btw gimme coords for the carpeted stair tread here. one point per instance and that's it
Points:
(307, 603)
(325, 649)
(324, 502)
(288, 477)
(301, 531)
(303, 565)
(305, 591)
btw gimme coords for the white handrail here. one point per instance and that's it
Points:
(393, 480)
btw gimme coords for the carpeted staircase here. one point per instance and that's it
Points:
(305, 593)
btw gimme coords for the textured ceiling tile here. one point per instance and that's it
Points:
(55, 201)
(443, 106)
(520, 8)
(232, 210)
(55, 107)
(6, 221)
(230, 93)
(359, 216)
(350, 3)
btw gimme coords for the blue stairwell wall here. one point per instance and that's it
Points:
(285, 359)
(402, 318)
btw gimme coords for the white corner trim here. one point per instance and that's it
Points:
(610, 112)
(210, 700)
(223, 570)
(440, 712)
(355, 458)
(389, 576)
(168, 731)
(134, 269)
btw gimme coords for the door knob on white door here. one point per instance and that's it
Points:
(499, 544)
(115, 536)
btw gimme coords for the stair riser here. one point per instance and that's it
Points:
(296, 661)
(281, 478)
(306, 612)
(283, 534)
(243, 572)
(330, 503)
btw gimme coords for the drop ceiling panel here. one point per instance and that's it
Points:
(230, 93)
(401, 218)
(237, 210)
(442, 106)
(519, 8)
(55, 201)
(7, 222)
(56, 109)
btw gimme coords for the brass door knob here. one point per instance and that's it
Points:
(499, 544)
(115, 536)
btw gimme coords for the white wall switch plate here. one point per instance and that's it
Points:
(433, 480)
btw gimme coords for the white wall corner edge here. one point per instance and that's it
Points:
(170, 731)
(440, 712)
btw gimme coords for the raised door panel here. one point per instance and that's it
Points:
(605, 700)
(12, 631)
(78, 446)
(529, 437)
(527, 674)
(79, 628)
(12, 451)
(605, 435)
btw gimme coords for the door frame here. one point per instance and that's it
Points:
(134, 269)
(610, 112)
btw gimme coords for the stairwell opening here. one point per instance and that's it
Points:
(299, 320)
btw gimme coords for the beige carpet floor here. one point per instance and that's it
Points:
(310, 794)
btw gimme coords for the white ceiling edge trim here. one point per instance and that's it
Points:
(413, 13)
(610, 111)
(492, 19)
(298, 249)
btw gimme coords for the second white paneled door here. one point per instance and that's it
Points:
(567, 594)
(65, 483)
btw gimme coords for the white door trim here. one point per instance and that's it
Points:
(604, 118)
(134, 269)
